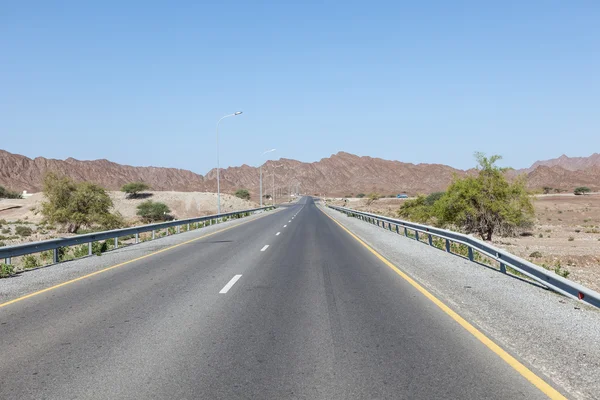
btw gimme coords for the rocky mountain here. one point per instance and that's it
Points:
(339, 175)
(569, 163)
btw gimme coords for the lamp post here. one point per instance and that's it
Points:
(218, 182)
(261, 195)
(273, 192)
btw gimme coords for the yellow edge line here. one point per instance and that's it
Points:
(510, 360)
(27, 296)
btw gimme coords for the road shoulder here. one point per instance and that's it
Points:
(555, 336)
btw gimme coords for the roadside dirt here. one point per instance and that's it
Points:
(24, 212)
(566, 233)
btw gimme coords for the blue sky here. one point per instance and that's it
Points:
(144, 82)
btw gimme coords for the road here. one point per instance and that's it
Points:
(314, 315)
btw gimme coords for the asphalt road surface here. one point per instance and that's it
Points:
(286, 306)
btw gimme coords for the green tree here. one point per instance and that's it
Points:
(151, 211)
(7, 194)
(487, 203)
(433, 197)
(417, 210)
(75, 205)
(133, 189)
(243, 194)
(582, 190)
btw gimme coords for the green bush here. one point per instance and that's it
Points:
(2, 244)
(417, 210)
(581, 190)
(151, 211)
(360, 195)
(535, 254)
(30, 261)
(6, 270)
(7, 194)
(133, 189)
(243, 194)
(74, 205)
(6, 230)
(23, 230)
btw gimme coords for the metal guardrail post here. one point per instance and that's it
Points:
(137, 237)
(7, 260)
(398, 229)
(406, 231)
(116, 243)
(430, 239)
(502, 265)
(188, 227)
(448, 246)
(178, 228)
(417, 236)
(55, 256)
(90, 248)
(470, 253)
(153, 234)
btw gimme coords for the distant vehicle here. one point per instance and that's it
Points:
(402, 196)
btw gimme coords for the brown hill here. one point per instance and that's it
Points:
(569, 163)
(338, 175)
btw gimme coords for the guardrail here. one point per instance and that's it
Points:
(8, 252)
(541, 275)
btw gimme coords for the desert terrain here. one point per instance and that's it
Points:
(566, 233)
(17, 212)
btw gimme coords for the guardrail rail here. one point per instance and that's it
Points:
(541, 275)
(55, 245)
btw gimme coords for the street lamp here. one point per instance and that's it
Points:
(273, 192)
(218, 182)
(261, 195)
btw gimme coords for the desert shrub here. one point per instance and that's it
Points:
(571, 238)
(547, 190)
(582, 190)
(433, 197)
(535, 254)
(74, 205)
(374, 196)
(8, 194)
(133, 189)
(243, 194)
(6, 230)
(360, 195)
(150, 211)
(560, 271)
(2, 244)
(23, 230)
(487, 203)
(6, 270)
(30, 261)
(416, 210)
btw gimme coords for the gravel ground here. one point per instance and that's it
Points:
(556, 337)
(41, 278)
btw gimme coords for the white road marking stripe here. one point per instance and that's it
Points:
(277, 234)
(289, 221)
(230, 284)
(264, 248)
(284, 226)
